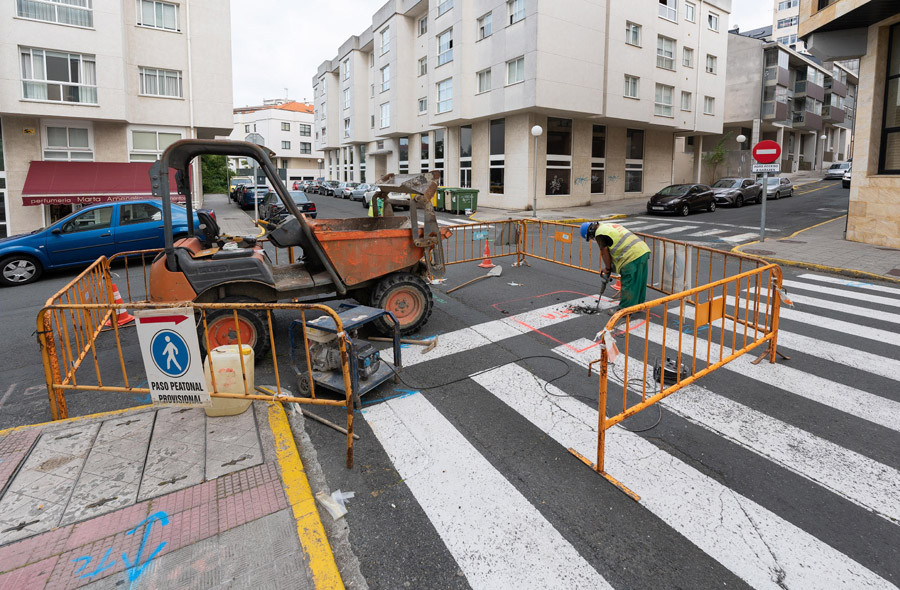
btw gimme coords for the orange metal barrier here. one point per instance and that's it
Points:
(70, 330)
(467, 242)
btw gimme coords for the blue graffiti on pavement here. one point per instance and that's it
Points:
(134, 568)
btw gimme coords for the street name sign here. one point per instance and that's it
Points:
(759, 168)
(766, 151)
(171, 353)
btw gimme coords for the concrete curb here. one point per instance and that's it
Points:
(567, 220)
(75, 419)
(299, 495)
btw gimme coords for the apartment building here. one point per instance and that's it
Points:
(285, 127)
(870, 31)
(785, 23)
(774, 92)
(103, 81)
(458, 86)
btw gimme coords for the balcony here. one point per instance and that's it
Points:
(806, 120)
(832, 114)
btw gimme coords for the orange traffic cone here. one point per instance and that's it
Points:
(123, 318)
(618, 285)
(486, 263)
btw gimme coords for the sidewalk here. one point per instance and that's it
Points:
(232, 219)
(604, 210)
(823, 247)
(160, 497)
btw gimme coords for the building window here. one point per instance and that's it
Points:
(687, 57)
(347, 127)
(445, 95)
(68, 143)
(484, 80)
(423, 105)
(423, 25)
(65, 12)
(633, 34)
(346, 98)
(784, 23)
(631, 86)
(634, 160)
(711, 64)
(371, 60)
(665, 53)
(58, 76)
(345, 66)
(439, 153)
(787, 4)
(158, 15)
(444, 6)
(423, 152)
(497, 156)
(712, 21)
(689, 11)
(372, 122)
(598, 159)
(305, 148)
(445, 47)
(686, 99)
(386, 115)
(385, 40)
(465, 156)
(788, 40)
(148, 145)
(246, 128)
(483, 27)
(362, 163)
(156, 82)
(403, 154)
(515, 71)
(709, 105)
(372, 91)
(305, 130)
(423, 66)
(285, 145)
(559, 156)
(668, 9)
(386, 78)
(285, 126)
(889, 161)
(663, 101)
(516, 10)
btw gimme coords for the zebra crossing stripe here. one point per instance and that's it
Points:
(757, 545)
(845, 293)
(866, 482)
(850, 283)
(893, 318)
(740, 237)
(651, 226)
(677, 229)
(708, 232)
(498, 538)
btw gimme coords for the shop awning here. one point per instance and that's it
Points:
(89, 183)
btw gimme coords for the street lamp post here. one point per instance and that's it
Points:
(319, 169)
(741, 139)
(536, 131)
(823, 137)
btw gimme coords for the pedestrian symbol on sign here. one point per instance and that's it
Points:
(170, 353)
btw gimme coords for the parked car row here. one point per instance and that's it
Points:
(683, 199)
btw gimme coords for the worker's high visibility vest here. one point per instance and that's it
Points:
(380, 207)
(626, 247)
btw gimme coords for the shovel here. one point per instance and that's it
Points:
(494, 272)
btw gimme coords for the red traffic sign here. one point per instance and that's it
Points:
(766, 152)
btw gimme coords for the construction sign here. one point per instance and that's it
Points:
(171, 353)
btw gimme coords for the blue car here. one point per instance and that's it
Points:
(84, 236)
(247, 197)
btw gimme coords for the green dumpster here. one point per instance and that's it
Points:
(438, 200)
(462, 199)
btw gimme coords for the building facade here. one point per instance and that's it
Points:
(868, 30)
(105, 81)
(285, 127)
(785, 24)
(776, 93)
(458, 85)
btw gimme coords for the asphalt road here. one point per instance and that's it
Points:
(765, 476)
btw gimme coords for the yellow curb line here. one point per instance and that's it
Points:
(817, 189)
(75, 419)
(812, 227)
(573, 220)
(299, 495)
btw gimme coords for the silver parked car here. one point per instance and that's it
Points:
(345, 190)
(836, 170)
(737, 191)
(778, 187)
(359, 191)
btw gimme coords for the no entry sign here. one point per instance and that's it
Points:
(766, 152)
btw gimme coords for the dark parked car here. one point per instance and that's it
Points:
(247, 197)
(737, 191)
(779, 187)
(86, 235)
(682, 199)
(272, 209)
(328, 187)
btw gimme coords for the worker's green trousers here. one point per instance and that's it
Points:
(634, 282)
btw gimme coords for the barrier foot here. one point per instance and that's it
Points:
(608, 477)
(768, 352)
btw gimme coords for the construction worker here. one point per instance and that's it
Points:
(372, 206)
(627, 253)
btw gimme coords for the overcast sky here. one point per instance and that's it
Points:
(279, 44)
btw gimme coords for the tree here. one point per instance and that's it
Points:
(717, 155)
(215, 174)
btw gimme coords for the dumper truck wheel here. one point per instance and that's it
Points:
(406, 296)
(252, 326)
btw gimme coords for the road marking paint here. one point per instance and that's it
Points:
(676, 229)
(496, 330)
(708, 232)
(850, 283)
(890, 301)
(651, 226)
(841, 307)
(864, 481)
(498, 538)
(757, 545)
(768, 229)
(740, 237)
